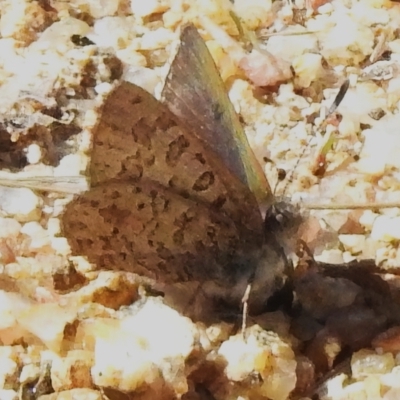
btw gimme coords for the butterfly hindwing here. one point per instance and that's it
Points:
(155, 233)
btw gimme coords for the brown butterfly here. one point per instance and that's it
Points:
(175, 190)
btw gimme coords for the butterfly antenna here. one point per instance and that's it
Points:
(335, 104)
(339, 97)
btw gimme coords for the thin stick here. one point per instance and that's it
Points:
(59, 184)
(354, 206)
(268, 35)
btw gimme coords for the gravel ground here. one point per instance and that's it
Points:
(71, 331)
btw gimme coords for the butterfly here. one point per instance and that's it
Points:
(175, 189)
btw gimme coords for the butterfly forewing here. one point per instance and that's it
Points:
(195, 92)
(161, 201)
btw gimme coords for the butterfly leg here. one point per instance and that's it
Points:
(245, 302)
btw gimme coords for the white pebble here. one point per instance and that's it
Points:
(33, 153)
(122, 362)
(53, 226)
(333, 256)
(111, 32)
(59, 34)
(264, 353)
(348, 126)
(13, 17)
(29, 373)
(53, 316)
(60, 245)
(367, 362)
(22, 203)
(348, 42)
(142, 8)
(11, 304)
(289, 47)
(39, 236)
(253, 12)
(8, 369)
(102, 8)
(70, 165)
(308, 68)
(386, 228)
(8, 394)
(353, 243)
(9, 227)
(103, 88)
(325, 9)
(367, 218)
(157, 39)
(146, 78)
(152, 340)
(370, 15)
(32, 229)
(155, 319)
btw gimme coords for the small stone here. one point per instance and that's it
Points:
(29, 373)
(51, 315)
(39, 236)
(142, 8)
(9, 227)
(8, 394)
(367, 362)
(10, 305)
(101, 9)
(150, 341)
(22, 203)
(386, 228)
(353, 243)
(72, 371)
(263, 353)
(8, 367)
